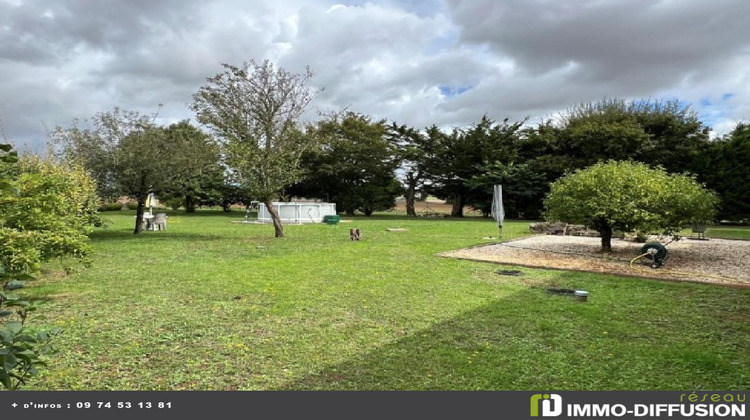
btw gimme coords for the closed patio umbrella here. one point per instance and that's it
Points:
(150, 203)
(498, 212)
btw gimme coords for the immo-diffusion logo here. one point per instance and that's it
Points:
(710, 405)
(551, 405)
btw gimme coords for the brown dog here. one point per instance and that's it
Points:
(355, 234)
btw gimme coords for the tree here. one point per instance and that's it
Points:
(205, 177)
(454, 158)
(254, 109)
(412, 149)
(354, 165)
(723, 166)
(133, 155)
(665, 133)
(629, 196)
(522, 188)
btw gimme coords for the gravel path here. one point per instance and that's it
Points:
(717, 261)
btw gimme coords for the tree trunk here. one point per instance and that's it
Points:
(349, 212)
(368, 211)
(227, 206)
(189, 204)
(458, 206)
(277, 226)
(139, 215)
(606, 232)
(411, 193)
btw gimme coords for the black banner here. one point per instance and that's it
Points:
(373, 405)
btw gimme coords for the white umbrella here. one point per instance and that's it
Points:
(498, 212)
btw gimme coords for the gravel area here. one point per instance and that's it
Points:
(717, 261)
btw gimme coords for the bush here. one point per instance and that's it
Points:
(21, 347)
(174, 203)
(110, 207)
(132, 205)
(47, 209)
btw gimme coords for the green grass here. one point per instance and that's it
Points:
(729, 232)
(212, 305)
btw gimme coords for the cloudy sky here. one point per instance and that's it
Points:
(418, 62)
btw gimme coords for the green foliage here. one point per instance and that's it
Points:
(21, 348)
(130, 155)
(50, 216)
(629, 196)
(204, 179)
(45, 212)
(353, 166)
(174, 203)
(110, 207)
(254, 109)
(667, 133)
(724, 168)
(452, 159)
(522, 188)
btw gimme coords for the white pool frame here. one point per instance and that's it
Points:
(297, 212)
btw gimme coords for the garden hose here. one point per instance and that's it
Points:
(636, 258)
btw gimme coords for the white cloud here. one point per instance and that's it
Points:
(388, 58)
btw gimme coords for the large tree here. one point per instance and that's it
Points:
(455, 158)
(131, 155)
(205, 179)
(413, 149)
(254, 109)
(724, 166)
(664, 133)
(353, 166)
(629, 196)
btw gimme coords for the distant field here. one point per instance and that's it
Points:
(433, 207)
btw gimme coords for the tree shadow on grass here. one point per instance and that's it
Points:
(536, 340)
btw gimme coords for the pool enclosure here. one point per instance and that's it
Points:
(297, 212)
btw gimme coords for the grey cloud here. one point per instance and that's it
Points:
(642, 42)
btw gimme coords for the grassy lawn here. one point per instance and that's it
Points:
(214, 305)
(728, 232)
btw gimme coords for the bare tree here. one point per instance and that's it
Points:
(254, 110)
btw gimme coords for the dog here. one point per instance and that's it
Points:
(355, 234)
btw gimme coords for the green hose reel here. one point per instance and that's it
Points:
(657, 252)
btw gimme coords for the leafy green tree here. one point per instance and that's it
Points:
(724, 167)
(522, 188)
(629, 196)
(455, 158)
(353, 166)
(201, 155)
(413, 149)
(133, 155)
(254, 109)
(665, 133)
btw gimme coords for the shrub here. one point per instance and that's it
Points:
(47, 209)
(174, 203)
(110, 207)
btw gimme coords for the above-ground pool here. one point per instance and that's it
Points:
(297, 212)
